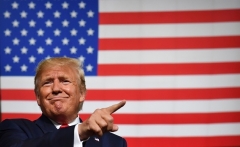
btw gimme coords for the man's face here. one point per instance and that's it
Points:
(59, 93)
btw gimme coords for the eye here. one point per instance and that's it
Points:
(47, 83)
(65, 82)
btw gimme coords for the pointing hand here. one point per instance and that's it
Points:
(99, 122)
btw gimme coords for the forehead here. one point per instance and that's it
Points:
(65, 71)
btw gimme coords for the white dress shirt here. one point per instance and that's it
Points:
(76, 142)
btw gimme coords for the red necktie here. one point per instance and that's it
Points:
(63, 126)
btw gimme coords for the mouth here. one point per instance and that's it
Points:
(56, 98)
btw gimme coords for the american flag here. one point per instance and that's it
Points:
(177, 63)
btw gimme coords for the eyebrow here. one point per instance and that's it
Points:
(58, 77)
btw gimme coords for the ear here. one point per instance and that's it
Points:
(38, 101)
(82, 98)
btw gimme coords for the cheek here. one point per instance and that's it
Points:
(75, 94)
(69, 89)
(44, 92)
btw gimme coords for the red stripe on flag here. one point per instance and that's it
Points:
(20, 115)
(169, 43)
(208, 141)
(169, 69)
(169, 17)
(181, 118)
(165, 94)
(141, 94)
(17, 94)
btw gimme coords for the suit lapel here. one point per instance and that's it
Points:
(45, 124)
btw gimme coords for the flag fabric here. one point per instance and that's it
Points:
(177, 63)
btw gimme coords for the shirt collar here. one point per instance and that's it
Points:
(74, 122)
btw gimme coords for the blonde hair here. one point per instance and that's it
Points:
(60, 61)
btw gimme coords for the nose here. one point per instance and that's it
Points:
(56, 87)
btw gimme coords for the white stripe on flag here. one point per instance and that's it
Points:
(169, 56)
(165, 82)
(184, 130)
(165, 5)
(139, 82)
(170, 30)
(133, 107)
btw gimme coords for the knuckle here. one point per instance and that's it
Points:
(110, 119)
(98, 111)
(98, 131)
(103, 124)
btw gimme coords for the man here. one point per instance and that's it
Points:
(60, 91)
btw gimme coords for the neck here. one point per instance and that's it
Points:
(62, 119)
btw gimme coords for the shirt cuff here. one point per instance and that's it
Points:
(76, 141)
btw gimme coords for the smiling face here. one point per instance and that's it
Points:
(59, 95)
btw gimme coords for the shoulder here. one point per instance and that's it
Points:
(15, 122)
(22, 127)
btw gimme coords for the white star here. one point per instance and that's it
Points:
(24, 67)
(90, 13)
(7, 32)
(16, 41)
(65, 41)
(7, 14)
(7, 50)
(32, 59)
(40, 32)
(56, 50)
(89, 67)
(16, 59)
(40, 50)
(82, 23)
(48, 23)
(24, 50)
(73, 14)
(40, 14)
(81, 59)
(90, 50)
(73, 50)
(32, 41)
(48, 57)
(65, 23)
(73, 32)
(57, 14)
(48, 41)
(7, 68)
(57, 32)
(82, 5)
(32, 23)
(15, 23)
(65, 5)
(23, 14)
(48, 5)
(81, 41)
(90, 32)
(31, 5)
(24, 32)
(14, 5)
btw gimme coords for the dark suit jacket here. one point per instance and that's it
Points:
(42, 133)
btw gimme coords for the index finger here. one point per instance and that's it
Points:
(115, 107)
